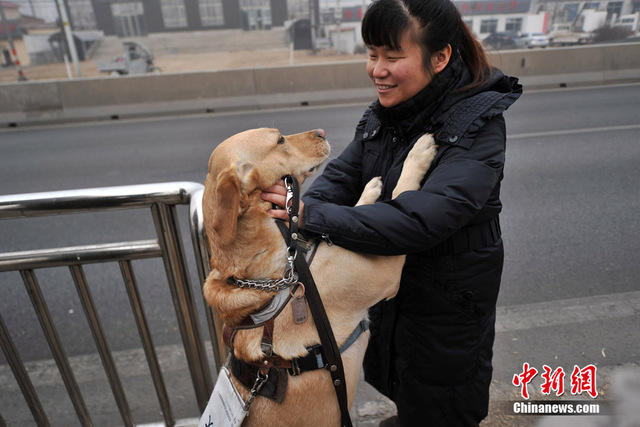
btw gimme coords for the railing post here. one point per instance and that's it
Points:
(42, 311)
(28, 391)
(165, 220)
(101, 342)
(147, 342)
(201, 251)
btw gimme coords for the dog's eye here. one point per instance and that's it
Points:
(281, 140)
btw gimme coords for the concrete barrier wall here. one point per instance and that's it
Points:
(111, 97)
(583, 64)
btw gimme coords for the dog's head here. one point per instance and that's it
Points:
(251, 161)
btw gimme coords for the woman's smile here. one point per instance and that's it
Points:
(383, 88)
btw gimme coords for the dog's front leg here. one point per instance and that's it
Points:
(416, 165)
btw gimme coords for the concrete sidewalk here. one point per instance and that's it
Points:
(369, 409)
(618, 386)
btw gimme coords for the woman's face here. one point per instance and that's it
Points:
(398, 75)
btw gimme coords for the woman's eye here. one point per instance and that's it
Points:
(281, 140)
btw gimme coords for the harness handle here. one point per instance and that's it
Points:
(325, 332)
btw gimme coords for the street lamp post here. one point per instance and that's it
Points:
(67, 31)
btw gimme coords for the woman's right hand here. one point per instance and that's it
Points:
(277, 194)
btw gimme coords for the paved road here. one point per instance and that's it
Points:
(571, 193)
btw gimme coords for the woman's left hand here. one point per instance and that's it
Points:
(277, 194)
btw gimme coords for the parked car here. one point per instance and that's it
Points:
(531, 40)
(502, 40)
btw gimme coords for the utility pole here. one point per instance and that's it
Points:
(313, 22)
(70, 42)
(338, 14)
(14, 55)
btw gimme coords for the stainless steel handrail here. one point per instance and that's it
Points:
(161, 199)
(12, 261)
(96, 199)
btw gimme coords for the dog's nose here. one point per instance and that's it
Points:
(320, 133)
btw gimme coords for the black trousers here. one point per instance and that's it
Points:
(427, 405)
(421, 402)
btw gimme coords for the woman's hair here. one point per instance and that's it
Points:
(433, 24)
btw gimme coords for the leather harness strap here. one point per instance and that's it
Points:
(314, 359)
(326, 355)
(327, 339)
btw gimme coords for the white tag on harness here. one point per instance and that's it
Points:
(225, 407)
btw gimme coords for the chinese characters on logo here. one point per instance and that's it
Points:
(582, 380)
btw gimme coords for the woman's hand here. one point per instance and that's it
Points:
(277, 194)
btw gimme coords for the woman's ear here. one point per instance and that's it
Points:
(441, 58)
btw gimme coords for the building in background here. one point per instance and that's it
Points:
(489, 16)
(129, 18)
(331, 24)
(138, 18)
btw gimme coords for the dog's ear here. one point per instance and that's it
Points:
(248, 176)
(225, 203)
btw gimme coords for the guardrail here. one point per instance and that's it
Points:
(162, 200)
(57, 101)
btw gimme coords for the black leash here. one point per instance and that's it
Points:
(327, 339)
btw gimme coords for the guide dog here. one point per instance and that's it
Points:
(245, 243)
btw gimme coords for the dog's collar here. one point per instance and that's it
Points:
(308, 248)
(269, 285)
(280, 286)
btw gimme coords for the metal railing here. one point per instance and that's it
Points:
(161, 200)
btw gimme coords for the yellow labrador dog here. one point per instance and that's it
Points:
(245, 243)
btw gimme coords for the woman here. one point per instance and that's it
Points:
(431, 346)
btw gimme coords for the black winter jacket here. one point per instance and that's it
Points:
(449, 228)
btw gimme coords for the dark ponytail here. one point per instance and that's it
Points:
(473, 54)
(434, 24)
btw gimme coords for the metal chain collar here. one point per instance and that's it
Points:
(270, 285)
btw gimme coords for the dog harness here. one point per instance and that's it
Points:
(279, 369)
(268, 377)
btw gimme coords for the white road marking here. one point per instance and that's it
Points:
(572, 131)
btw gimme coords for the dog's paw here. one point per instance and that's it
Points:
(424, 150)
(371, 192)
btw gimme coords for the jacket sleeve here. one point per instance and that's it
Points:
(340, 182)
(459, 185)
